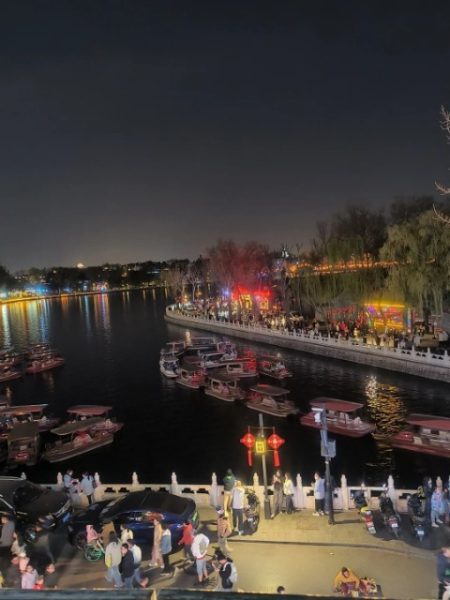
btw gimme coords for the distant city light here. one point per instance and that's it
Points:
(80, 265)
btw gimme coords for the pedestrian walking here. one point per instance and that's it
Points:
(70, 483)
(29, 578)
(319, 495)
(137, 560)
(277, 483)
(156, 559)
(125, 533)
(228, 484)
(237, 506)
(166, 548)
(223, 532)
(186, 539)
(126, 567)
(87, 486)
(113, 558)
(50, 577)
(199, 550)
(443, 570)
(227, 572)
(13, 576)
(288, 492)
(8, 530)
(437, 507)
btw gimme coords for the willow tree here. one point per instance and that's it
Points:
(419, 251)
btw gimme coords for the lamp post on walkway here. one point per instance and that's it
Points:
(328, 451)
(262, 450)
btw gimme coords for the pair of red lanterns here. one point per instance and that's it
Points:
(259, 445)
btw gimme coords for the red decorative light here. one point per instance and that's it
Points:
(249, 441)
(275, 442)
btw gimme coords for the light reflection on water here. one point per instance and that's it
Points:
(111, 344)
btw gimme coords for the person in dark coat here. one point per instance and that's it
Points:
(126, 566)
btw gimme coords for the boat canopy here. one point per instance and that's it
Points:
(429, 421)
(69, 428)
(223, 378)
(26, 409)
(192, 368)
(89, 410)
(23, 431)
(269, 390)
(335, 404)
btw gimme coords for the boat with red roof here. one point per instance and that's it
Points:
(427, 434)
(87, 411)
(341, 417)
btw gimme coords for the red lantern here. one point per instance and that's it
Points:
(249, 441)
(275, 442)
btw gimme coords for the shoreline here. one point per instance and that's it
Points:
(77, 294)
(414, 362)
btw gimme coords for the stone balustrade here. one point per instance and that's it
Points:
(422, 363)
(211, 494)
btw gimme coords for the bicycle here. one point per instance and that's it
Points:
(94, 551)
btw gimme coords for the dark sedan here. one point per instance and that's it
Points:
(137, 511)
(29, 503)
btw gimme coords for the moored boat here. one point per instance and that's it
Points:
(341, 417)
(211, 360)
(271, 400)
(228, 350)
(273, 367)
(44, 364)
(427, 434)
(201, 343)
(9, 374)
(224, 387)
(27, 413)
(191, 376)
(82, 412)
(23, 444)
(76, 439)
(173, 348)
(240, 367)
(169, 366)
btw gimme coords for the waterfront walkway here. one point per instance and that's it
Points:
(421, 363)
(299, 551)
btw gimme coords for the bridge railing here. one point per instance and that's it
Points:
(211, 494)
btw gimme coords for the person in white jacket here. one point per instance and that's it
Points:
(288, 492)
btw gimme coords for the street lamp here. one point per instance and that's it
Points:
(328, 451)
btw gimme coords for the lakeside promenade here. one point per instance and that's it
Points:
(299, 551)
(420, 363)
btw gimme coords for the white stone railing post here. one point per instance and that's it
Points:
(391, 491)
(214, 492)
(59, 480)
(344, 492)
(98, 490)
(23, 475)
(134, 480)
(299, 498)
(174, 487)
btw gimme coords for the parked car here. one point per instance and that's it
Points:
(29, 503)
(137, 510)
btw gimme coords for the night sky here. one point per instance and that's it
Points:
(135, 130)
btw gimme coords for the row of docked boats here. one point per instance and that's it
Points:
(200, 363)
(88, 428)
(36, 359)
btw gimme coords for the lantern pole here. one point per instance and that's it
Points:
(267, 510)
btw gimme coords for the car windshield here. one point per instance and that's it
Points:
(25, 494)
(109, 506)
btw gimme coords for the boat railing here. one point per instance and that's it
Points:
(416, 355)
(211, 494)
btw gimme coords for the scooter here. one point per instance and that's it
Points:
(251, 513)
(366, 514)
(390, 517)
(417, 516)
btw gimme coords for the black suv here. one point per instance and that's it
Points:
(137, 510)
(29, 503)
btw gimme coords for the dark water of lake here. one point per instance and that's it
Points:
(111, 344)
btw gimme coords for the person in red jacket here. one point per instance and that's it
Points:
(186, 540)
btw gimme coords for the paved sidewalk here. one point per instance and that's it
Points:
(301, 552)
